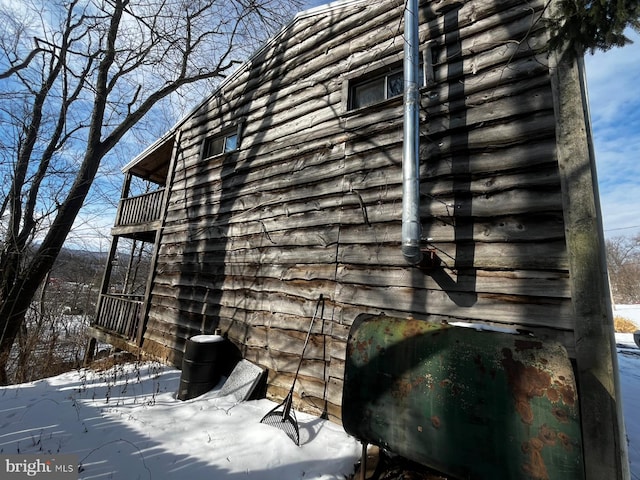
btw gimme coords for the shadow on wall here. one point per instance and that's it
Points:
(462, 289)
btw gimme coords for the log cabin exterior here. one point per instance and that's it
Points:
(286, 183)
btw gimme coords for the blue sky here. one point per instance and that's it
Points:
(613, 80)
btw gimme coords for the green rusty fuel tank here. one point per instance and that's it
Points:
(472, 404)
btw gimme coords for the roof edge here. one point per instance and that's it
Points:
(151, 148)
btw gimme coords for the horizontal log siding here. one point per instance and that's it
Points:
(311, 202)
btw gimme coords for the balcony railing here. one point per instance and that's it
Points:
(140, 209)
(119, 314)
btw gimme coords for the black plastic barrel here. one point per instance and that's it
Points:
(201, 365)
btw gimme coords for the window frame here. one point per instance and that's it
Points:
(223, 135)
(383, 78)
(385, 69)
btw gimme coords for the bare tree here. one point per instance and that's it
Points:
(76, 77)
(623, 259)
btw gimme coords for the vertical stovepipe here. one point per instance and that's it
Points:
(411, 227)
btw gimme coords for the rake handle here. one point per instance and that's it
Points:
(306, 341)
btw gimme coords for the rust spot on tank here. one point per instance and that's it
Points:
(567, 392)
(419, 380)
(361, 347)
(565, 441)
(535, 466)
(547, 435)
(553, 395)
(522, 345)
(435, 421)
(526, 382)
(561, 415)
(412, 328)
(401, 389)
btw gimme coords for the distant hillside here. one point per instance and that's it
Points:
(79, 266)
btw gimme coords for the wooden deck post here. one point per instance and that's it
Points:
(144, 310)
(106, 276)
(604, 440)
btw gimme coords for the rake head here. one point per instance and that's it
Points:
(285, 420)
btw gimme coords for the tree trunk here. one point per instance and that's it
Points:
(10, 324)
(16, 293)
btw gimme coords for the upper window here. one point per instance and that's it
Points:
(220, 144)
(383, 84)
(368, 91)
(373, 89)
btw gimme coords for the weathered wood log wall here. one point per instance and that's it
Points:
(310, 203)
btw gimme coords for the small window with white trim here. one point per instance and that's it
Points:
(223, 143)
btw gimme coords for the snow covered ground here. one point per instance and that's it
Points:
(629, 367)
(125, 423)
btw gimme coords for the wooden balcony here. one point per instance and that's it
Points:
(139, 213)
(119, 316)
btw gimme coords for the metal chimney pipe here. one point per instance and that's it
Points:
(411, 227)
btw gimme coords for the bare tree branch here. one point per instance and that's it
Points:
(88, 75)
(24, 64)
